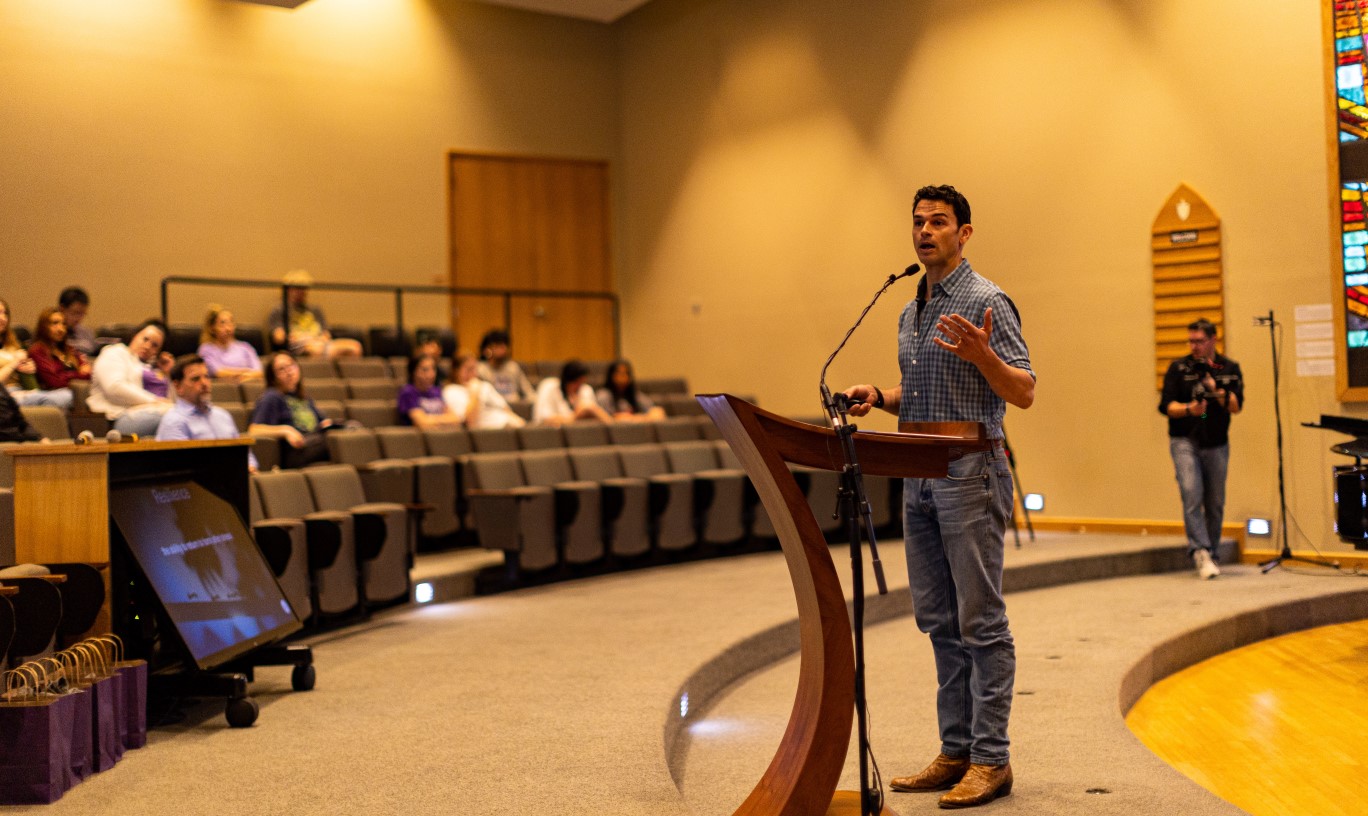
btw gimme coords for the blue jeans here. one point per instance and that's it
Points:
(953, 536)
(60, 398)
(1201, 476)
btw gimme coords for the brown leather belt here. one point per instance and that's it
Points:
(961, 451)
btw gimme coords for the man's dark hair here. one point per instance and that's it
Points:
(183, 362)
(73, 294)
(949, 195)
(1204, 326)
(492, 337)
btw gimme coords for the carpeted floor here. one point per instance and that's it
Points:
(559, 699)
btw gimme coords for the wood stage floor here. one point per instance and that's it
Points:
(1275, 727)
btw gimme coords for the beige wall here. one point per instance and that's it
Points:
(764, 156)
(215, 138)
(770, 154)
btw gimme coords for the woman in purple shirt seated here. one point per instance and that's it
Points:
(227, 357)
(420, 402)
(283, 411)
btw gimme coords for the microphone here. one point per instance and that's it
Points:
(84, 438)
(834, 407)
(113, 435)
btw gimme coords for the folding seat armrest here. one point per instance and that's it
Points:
(661, 486)
(570, 496)
(371, 532)
(614, 496)
(497, 514)
(273, 539)
(324, 530)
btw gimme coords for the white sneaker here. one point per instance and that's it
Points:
(1206, 568)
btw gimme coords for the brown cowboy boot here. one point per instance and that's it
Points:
(980, 785)
(943, 772)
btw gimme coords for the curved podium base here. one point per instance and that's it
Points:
(847, 803)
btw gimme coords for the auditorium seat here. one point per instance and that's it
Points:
(672, 496)
(585, 434)
(523, 408)
(626, 507)
(579, 530)
(80, 389)
(494, 440)
(348, 332)
(363, 368)
(182, 339)
(284, 545)
(37, 613)
(720, 505)
(387, 341)
(452, 442)
(83, 596)
(330, 536)
(755, 517)
(374, 388)
(632, 433)
(384, 480)
(47, 420)
(510, 515)
(332, 409)
(436, 479)
(329, 388)
(676, 405)
(707, 428)
(676, 429)
(253, 336)
(383, 544)
(540, 437)
(315, 368)
(662, 385)
(373, 413)
(251, 391)
(224, 391)
(238, 412)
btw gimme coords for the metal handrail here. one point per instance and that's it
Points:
(399, 292)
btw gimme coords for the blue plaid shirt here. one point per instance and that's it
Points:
(937, 386)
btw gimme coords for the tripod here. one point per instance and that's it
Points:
(1020, 493)
(1286, 553)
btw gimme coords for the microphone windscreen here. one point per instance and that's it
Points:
(113, 435)
(84, 438)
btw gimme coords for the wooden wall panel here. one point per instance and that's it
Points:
(1185, 243)
(533, 223)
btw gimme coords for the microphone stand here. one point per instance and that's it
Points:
(1286, 553)
(854, 503)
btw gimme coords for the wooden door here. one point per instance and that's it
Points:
(533, 224)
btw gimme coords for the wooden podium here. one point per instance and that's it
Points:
(61, 495)
(801, 779)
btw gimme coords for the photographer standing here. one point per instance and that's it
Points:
(1201, 392)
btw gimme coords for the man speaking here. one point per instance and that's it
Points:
(962, 359)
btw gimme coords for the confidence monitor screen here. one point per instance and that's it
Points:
(204, 566)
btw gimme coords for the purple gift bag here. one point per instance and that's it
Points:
(35, 739)
(134, 674)
(90, 667)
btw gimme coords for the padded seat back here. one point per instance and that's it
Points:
(335, 487)
(355, 447)
(332, 409)
(48, 420)
(547, 467)
(327, 388)
(632, 433)
(691, 457)
(540, 437)
(284, 494)
(677, 429)
(382, 388)
(352, 368)
(451, 442)
(182, 339)
(495, 471)
(643, 461)
(595, 464)
(494, 440)
(373, 413)
(224, 391)
(585, 434)
(401, 443)
(238, 412)
(251, 390)
(252, 336)
(315, 369)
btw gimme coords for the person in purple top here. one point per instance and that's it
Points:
(227, 357)
(420, 401)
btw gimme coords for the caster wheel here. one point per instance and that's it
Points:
(241, 713)
(303, 678)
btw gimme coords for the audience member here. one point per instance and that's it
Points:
(192, 415)
(75, 303)
(474, 400)
(19, 374)
(497, 367)
(13, 426)
(308, 329)
(227, 357)
(567, 398)
(420, 400)
(430, 345)
(619, 396)
(284, 411)
(128, 384)
(55, 362)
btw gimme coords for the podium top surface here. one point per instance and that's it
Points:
(103, 448)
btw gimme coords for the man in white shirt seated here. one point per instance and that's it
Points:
(193, 416)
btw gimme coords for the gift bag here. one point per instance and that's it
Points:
(35, 739)
(106, 691)
(132, 711)
(80, 763)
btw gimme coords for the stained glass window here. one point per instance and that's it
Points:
(1353, 131)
